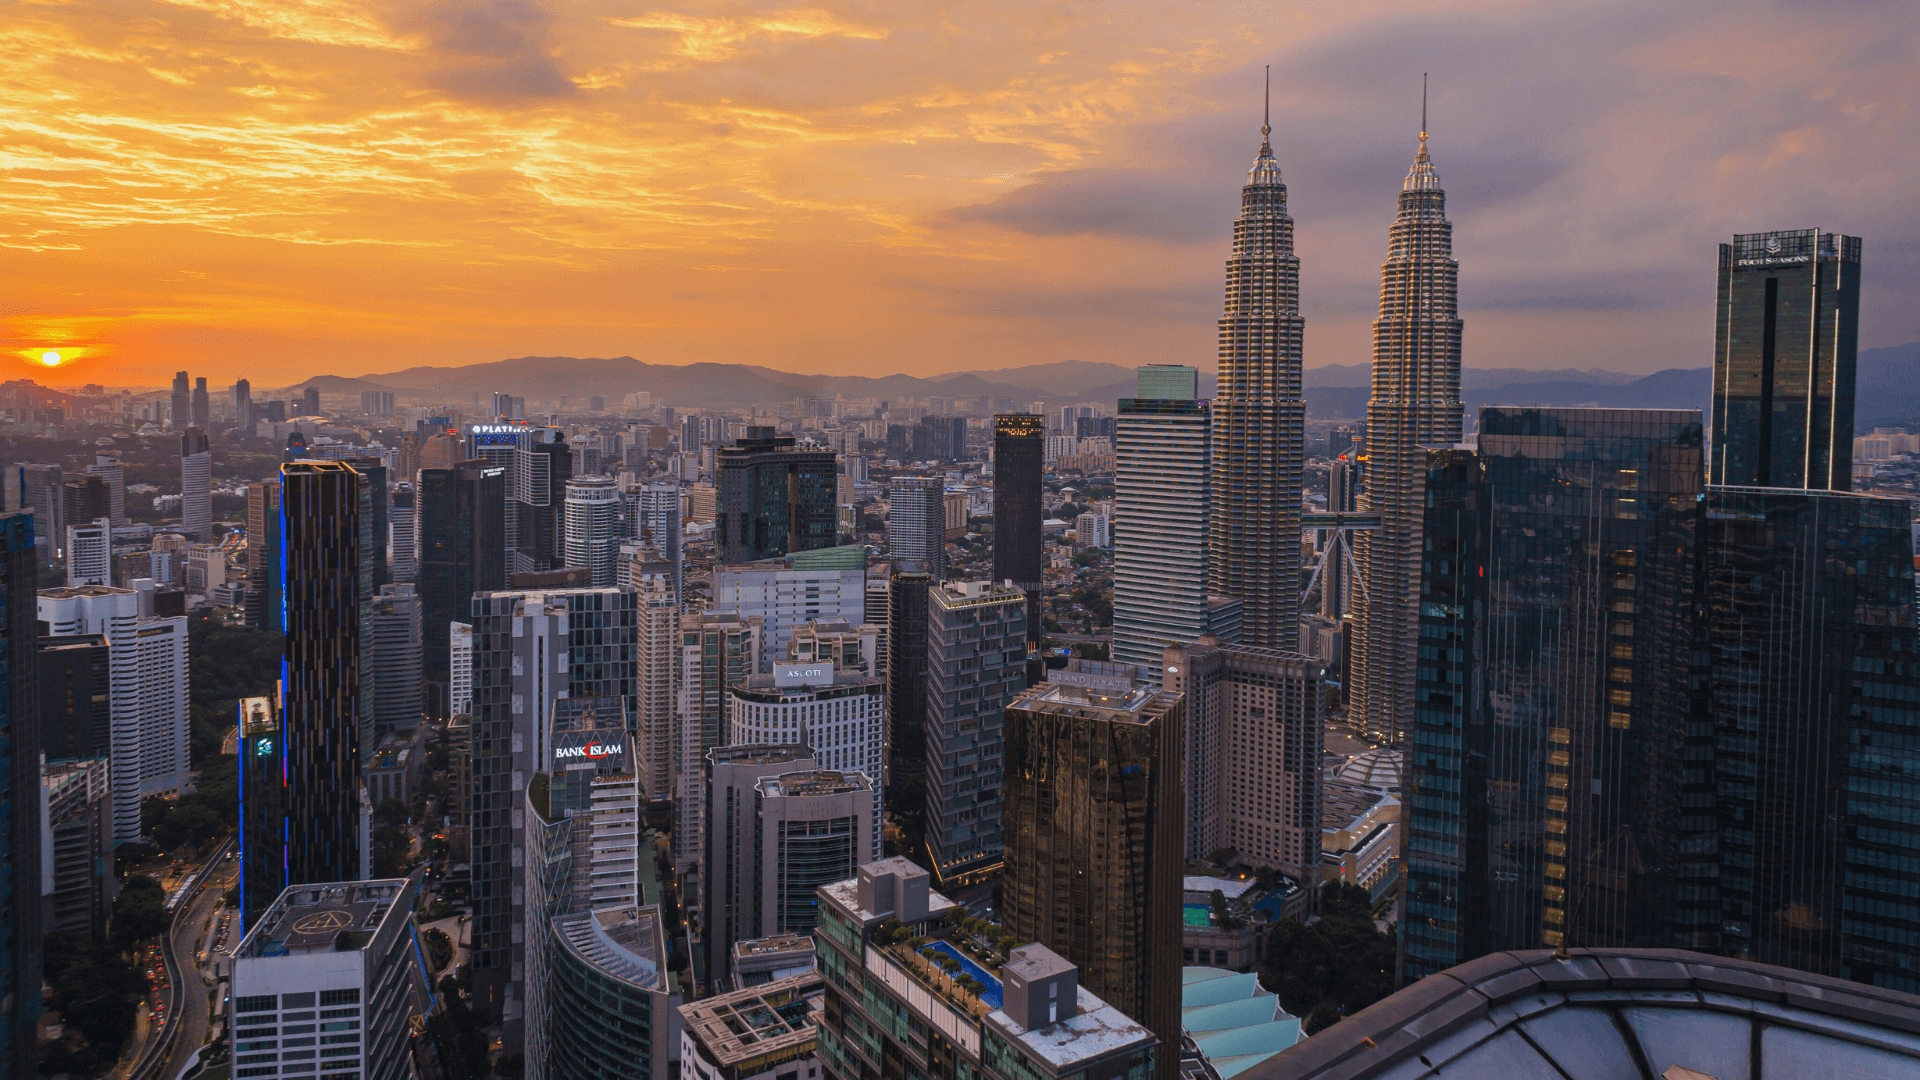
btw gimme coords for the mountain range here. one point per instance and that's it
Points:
(1888, 388)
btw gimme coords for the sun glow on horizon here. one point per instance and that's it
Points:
(50, 358)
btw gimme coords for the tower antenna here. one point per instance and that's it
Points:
(1266, 108)
(1423, 104)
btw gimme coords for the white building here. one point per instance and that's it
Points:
(327, 979)
(206, 568)
(716, 649)
(593, 526)
(785, 599)
(90, 553)
(917, 522)
(196, 485)
(1090, 531)
(839, 714)
(1161, 505)
(403, 554)
(147, 675)
(461, 688)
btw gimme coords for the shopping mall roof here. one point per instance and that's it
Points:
(1235, 1024)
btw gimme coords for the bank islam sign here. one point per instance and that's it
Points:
(596, 752)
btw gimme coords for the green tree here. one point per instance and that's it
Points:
(1334, 967)
(140, 911)
(97, 991)
(229, 662)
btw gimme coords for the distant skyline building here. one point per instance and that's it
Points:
(787, 594)
(180, 412)
(542, 469)
(21, 973)
(264, 574)
(1786, 339)
(243, 417)
(1019, 542)
(592, 526)
(1415, 405)
(917, 521)
(1259, 417)
(403, 551)
(976, 661)
(202, 406)
(196, 485)
(1161, 522)
(111, 470)
(395, 654)
(1095, 849)
(775, 497)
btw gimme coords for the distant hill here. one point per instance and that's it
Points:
(1888, 391)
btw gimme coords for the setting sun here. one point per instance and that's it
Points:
(50, 358)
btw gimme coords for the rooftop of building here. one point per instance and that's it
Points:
(813, 783)
(771, 686)
(1343, 803)
(1376, 768)
(1616, 1013)
(72, 641)
(758, 753)
(955, 594)
(1096, 1030)
(68, 592)
(625, 943)
(756, 1021)
(1231, 888)
(1232, 1020)
(845, 895)
(336, 917)
(1074, 693)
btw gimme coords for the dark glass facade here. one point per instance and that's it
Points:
(1019, 463)
(774, 499)
(263, 832)
(907, 669)
(542, 470)
(374, 470)
(1785, 342)
(263, 554)
(1544, 795)
(462, 529)
(1095, 842)
(75, 716)
(1815, 704)
(325, 719)
(601, 1004)
(20, 910)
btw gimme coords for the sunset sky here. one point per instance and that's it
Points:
(283, 188)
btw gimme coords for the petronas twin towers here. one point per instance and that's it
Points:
(1259, 431)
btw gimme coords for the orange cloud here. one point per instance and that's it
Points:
(281, 187)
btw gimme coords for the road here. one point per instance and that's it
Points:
(169, 1046)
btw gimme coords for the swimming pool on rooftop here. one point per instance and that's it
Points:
(992, 995)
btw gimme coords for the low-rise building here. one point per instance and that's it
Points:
(1360, 840)
(770, 959)
(764, 1032)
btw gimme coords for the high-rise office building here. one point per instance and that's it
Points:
(531, 648)
(90, 553)
(396, 656)
(1095, 844)
(610, 997)
(180, 416)
(907, 587)
(111, 471)
(263, 554)
(337, 957)
(592, 526)
(775, 497)
(1552, 791)
(403, 552)
(373, 470)
(1259, 417)
(20, 946)
(460, 685)
(657, 645)
(84, 499)
(147, 691)
(653, 516)
(76, 698)
(325, 711)
(1019, 465)
(243, 417)
(717, 649)
(40, 491)
(1814, 695)
(590, 765)
(1160, 495)
(837, 712)
(976, 661)
(76, 839)
(310, 400)
(1786, 332)
(542, 470)
(1415, 405)
(786, 594)
(1255, 725)
(917, 522)
(202, 407)
(1336, 577)
(462, 551)
(730, 866)
(196, 485)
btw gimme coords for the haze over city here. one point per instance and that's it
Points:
(278, 189)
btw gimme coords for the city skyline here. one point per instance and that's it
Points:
(1058, 202)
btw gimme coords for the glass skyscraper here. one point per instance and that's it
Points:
(1552, 704)
(976, 661)
(463, 550)
(20, 948)
(1259, 417)
(775, 498)
(1786, 334)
